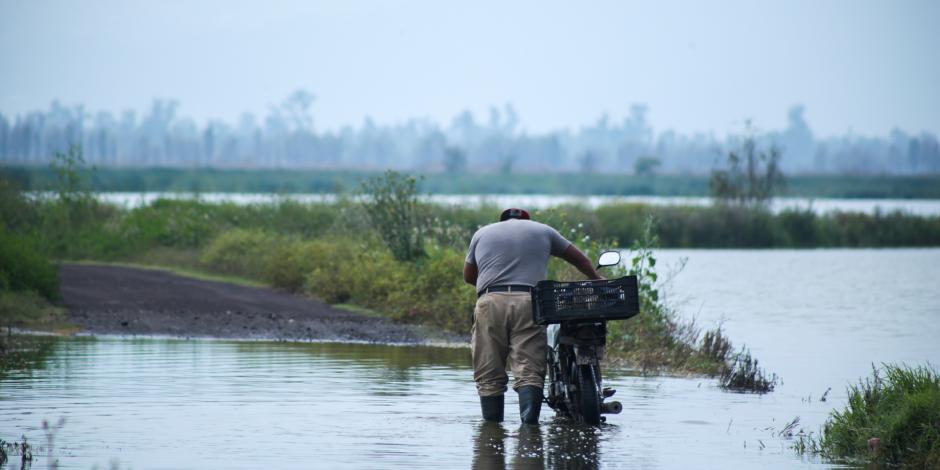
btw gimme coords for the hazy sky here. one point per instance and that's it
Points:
(865, 66)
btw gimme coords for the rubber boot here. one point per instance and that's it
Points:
(492, 408)
(530, 403)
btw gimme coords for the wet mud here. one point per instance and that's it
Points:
(103, 299)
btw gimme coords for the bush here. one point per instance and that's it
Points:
(891, 418)
(392, 205)
(288, 264)
(434, 292)
(25, 267)
(240, 252)
(338, 271)
(429, 291)
(16, 212)
(177, 223)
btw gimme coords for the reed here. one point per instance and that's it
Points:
(892, 418)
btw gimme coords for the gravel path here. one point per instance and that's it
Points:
(131, 301)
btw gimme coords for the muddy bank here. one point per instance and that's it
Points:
(130, 301)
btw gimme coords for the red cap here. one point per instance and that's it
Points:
(513, 213)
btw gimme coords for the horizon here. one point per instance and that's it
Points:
(483, 119)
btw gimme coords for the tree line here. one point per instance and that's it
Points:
(288, 138)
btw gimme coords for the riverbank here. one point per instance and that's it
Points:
(119, 300)
(392, 255)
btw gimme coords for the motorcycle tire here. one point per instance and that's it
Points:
(590, 403)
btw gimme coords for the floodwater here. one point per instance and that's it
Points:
(922, 207)
(818, 318)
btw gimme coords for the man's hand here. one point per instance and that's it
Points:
(470, 274)
(576, 258)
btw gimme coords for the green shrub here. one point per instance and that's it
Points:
(391, 201)
(16, 212)
(177, 223)
(434, 292)
(296, 218)
(288, 265)
(25, 267)
(378, 276)
(240, 252)
(891, 418)
(429, 291)
(799, 228)
(336, 268)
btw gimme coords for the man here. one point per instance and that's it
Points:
(504, 261)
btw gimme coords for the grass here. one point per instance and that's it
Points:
(745, 375)
(892, 419)
(30, 311)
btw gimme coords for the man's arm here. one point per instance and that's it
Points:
(470, 273)
(577, 259)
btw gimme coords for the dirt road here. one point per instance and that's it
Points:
(131, 301)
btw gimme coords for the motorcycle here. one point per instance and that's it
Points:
(576, 314)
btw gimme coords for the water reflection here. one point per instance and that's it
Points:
(530, 453)
(372, 355)
(569, 446)
(572, 446)
(489, 447)
(23, 354)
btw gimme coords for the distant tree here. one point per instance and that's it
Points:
(588, 162)
(752, 175)
(285, 136)
(505, 166)
(646, 166)
(455, 160)
(797, 140)
(297, 108)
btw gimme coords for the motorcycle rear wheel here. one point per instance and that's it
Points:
(590, 403)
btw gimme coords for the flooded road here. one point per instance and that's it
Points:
(818, 318)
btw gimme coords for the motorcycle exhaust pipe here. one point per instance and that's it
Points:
(612, 408)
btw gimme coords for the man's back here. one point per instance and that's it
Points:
(513, 252)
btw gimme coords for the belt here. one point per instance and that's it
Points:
(505, 288)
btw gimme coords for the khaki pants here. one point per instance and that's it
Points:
(503, 328)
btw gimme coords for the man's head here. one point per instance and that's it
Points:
(513, 213)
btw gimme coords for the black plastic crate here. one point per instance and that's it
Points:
(614, 299)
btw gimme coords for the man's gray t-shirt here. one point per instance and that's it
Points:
(514, 252)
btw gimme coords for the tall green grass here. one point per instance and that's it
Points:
(892, 418)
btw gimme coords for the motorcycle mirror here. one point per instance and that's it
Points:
(609, 258)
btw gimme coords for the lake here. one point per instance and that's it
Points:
(818, 318)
